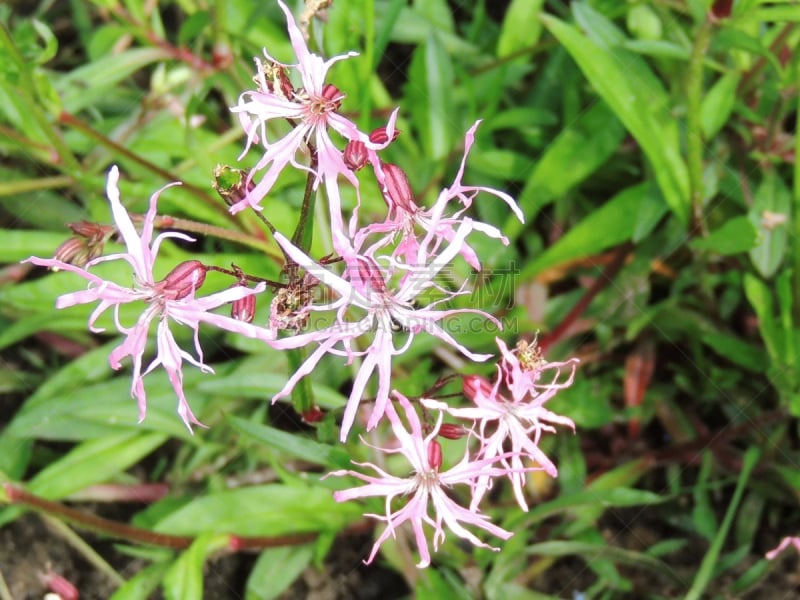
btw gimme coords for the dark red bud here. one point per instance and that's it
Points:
(88, 229)
(475, 385)
(313, 415)
(355, 155)
(398, 189)
(370, 274)
(244, 309)
(380, 136)
(452, 431)
(185, 279)
(332, 95)
(287, 89)
(434, 455)
(721, 9)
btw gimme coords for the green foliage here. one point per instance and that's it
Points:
(653, 149)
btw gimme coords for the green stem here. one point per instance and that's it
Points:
(795, 217)
(167, 222)
(711, 559)
(694, 136)
(303, 233)
(368, 14)
(28, 92)
(302, 394)
(23, 186)
(86, 551)
(76, 123)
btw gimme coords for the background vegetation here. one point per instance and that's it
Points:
(652, 146)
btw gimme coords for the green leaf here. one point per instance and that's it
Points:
(15, 455)
(261, 510)
(578, 502)
(184, 578)
(738, 352)
(614, 222)
(91, 82)
(731, 39)
(20, 244)
(735, 236)
(293, 444)
(705, 573)
(434, 102)
(577, 152)
(142, 585)
(770, 215)
(761, 297)
(612, 553)
(638, 104)
(521, 27)
(77, 411)
(94, 461)
(718, 104)
(276, 569)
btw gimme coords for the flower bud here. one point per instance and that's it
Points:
(380, 136)
(74, 251)
(452, 431)
(434, 455)
(59, 585)
(88, 245)
(370, 275)
(313, 415)
(244, 309)
(721, 9)
(90, 230)
(183, 280)
(332, 96)
(355, 155)
(287, 89)
(475, 385)
(398, 189)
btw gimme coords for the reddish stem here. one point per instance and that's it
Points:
(137, 534)
(605, 278)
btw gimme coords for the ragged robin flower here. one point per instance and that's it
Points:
(172, 299)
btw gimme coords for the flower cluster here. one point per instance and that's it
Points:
(382, 288)
(510, 418)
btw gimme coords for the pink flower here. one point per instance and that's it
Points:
(172, 298)
(312, 110)
(384, 313)
(406, 219)
(517, 422)
(785, 543)
(425, 488)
